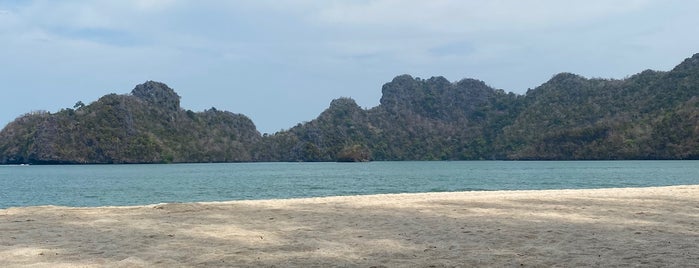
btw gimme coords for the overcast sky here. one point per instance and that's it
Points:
(282, 62)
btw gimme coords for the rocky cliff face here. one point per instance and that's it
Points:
(158, 95)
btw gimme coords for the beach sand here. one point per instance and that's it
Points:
(653, 227)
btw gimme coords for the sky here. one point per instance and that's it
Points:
(281, 62)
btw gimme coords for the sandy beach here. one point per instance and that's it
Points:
(647, 227)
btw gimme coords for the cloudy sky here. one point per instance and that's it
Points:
(282, 62)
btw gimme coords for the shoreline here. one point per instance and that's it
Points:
(649, 226)
(387, 195)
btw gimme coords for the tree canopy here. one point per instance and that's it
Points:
(650, 115)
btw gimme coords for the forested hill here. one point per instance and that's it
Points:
(146, 126)
(650, 115)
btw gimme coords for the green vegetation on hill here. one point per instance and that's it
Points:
(147, 126)
(650, 115)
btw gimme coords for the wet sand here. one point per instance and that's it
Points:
(653, 227)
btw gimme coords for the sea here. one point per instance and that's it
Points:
(121, 185)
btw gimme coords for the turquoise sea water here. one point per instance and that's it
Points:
(115, 185)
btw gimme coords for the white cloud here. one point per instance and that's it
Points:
(153, 5)
(411, 30)
(456, 16)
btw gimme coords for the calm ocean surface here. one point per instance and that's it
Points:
(115, 185)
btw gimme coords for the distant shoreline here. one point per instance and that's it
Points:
(349, 162)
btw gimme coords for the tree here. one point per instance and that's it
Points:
(78, 105)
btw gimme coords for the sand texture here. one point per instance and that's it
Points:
(638, 227)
